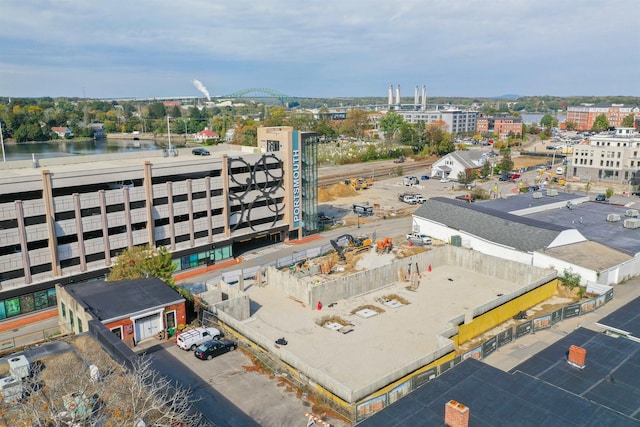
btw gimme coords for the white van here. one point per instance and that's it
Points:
(559, 170)
(189, 340)
(410, 180)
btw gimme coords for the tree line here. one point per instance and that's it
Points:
(31, 119)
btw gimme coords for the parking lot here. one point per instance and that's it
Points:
(231, 391)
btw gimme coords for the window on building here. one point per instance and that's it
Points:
(79, 326)
(117, 331)
(64, 311)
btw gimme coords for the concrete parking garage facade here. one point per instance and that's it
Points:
(65, 220)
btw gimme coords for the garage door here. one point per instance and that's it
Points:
(147, 327)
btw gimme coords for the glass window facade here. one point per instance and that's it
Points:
(27, 303)
(309, 142)
(203, 258)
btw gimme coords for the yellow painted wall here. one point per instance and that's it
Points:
(444, 359)
(505, 312)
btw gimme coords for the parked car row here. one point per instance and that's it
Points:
(206, 343)
(412, 198)
(192, 338)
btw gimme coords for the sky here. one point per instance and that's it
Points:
(319, 48)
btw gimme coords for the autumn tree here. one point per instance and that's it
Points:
(467, 176)
(601, 123)
(609, 193)
(438, 139)
(485, 169)
(302, 120)
(156, 110)
(409, 136)
(629, 121)
(506, 164)
(571, 125)
(548, 121)
(276, 116)
(390, 123)
(356, 122)
(142, 261)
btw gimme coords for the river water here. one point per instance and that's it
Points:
(64, 148)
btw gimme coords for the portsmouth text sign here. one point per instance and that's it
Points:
(297, 178)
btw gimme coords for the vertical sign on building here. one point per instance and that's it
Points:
(297, 179)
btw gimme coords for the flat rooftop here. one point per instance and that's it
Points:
(586, 216)
(610, 376)
(624, 320)
(526, 201)
(383, 343)
(590, 219)
(95, 163)
(495, 398)
(588, 254)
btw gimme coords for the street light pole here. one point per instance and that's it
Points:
(2, 141)
(169, 134)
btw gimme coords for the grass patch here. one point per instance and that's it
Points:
(369, 307)
(396, 297)
(332, 319)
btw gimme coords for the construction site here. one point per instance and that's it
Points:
(363, 314)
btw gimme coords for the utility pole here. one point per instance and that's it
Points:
(171, 153)
(2, 141)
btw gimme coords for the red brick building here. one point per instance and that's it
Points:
(483, 125)
(134, 310)
(501, 125)
(584, 115)
(505, 126)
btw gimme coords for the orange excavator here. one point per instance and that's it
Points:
(384, 246)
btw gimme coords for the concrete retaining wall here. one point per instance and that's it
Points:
(289, 284)
(371, 280)
(238, 308)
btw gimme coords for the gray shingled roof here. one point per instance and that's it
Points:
(520, 233)
(113, 300)
(469, 159)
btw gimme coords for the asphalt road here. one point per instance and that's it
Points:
(195, 375)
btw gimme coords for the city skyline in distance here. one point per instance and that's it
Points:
(312, 49)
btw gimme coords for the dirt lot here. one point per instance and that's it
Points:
(527, 161)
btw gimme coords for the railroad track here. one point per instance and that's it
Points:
(382, 170)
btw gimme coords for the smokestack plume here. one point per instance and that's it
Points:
(202, 89)
(390, 95)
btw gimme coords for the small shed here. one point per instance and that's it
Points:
(134, 310)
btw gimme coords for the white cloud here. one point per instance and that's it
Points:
(324, 45)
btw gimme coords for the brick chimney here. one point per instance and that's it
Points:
(456, 414)
(577, 356)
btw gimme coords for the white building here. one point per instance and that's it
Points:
(544, 229)
(455, 121)
(449, 166)
(609, 156)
